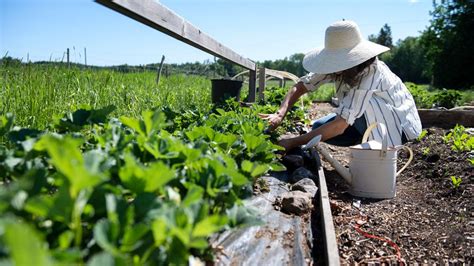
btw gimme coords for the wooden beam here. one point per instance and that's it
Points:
(161, 18)
(282, 74)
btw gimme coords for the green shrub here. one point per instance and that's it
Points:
(447, 98)
(421, 96)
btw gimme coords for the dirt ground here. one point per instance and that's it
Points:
(429, 220)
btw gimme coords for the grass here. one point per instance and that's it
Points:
(35, 93)
(467, 97)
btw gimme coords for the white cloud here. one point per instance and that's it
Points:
(413, 1)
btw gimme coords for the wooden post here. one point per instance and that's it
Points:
(67, 54)
(261, 83)
(159, 70)
(280, 83)
(252, 85)
(85, 56)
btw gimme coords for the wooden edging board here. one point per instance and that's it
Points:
(331, 251)
(446, 118)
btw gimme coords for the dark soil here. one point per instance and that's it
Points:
(430, 220)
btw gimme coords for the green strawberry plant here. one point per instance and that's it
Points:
(128, 191)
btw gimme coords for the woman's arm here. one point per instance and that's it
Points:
(291, 97)
(327, 131)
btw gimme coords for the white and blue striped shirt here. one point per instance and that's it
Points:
(380, 96)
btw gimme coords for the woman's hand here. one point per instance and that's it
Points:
(273, 119)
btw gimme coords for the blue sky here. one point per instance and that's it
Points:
(257, 29)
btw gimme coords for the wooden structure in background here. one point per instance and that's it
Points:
(159, 17)
(265, 74)
(446, 118)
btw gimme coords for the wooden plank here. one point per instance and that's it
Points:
(446, 118)
(161, 18)
(331, 250)
(261, 83)
(252, 85)
(282, 74)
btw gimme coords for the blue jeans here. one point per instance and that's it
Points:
(351, 136)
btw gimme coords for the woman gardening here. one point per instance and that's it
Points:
(367, 90)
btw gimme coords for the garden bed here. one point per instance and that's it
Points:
(431, 220)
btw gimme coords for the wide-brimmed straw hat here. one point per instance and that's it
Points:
(344, 48)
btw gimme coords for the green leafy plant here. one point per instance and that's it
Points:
(471, 160)
(460, 139)
(422, 135)
(129, 191)
(447, 98)
(426, 151)
(422, 97)
(456, 181)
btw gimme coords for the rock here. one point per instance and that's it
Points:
(301, 173)
(305, 185)
(311, 162)
(293, 161)
(296, 202)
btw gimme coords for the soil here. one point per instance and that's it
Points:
(429, 220)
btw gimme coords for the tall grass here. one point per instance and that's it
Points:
(36, 93)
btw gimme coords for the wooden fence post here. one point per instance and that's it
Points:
(67, 52)
(85, 56)
(261, 83)
(252, 85)
(158, 75)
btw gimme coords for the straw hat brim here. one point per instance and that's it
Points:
(326, 61)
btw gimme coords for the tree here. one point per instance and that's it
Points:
(293, 64)
(407, 59)
(384, 37)
(449, 43)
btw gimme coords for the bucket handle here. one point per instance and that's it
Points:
(383, 152)
(410, 158)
